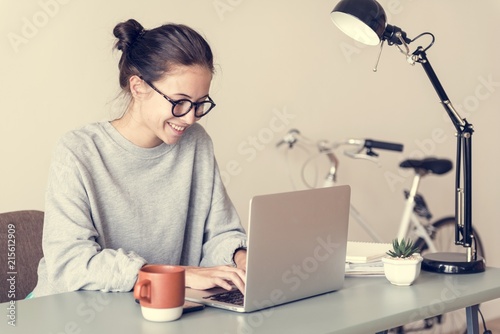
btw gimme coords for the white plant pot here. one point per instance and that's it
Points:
(400, 271)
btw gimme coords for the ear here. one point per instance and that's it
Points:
(137, 86)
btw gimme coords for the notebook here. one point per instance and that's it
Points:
(296, 248)
(364, 252)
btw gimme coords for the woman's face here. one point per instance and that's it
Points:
(158, 122)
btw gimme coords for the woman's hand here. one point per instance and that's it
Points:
(203, 278)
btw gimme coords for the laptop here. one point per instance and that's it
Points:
(296, 249)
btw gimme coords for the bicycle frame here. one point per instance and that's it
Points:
(408, 220)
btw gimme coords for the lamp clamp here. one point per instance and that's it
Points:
(395, 35)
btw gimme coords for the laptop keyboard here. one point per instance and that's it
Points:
(231, 297)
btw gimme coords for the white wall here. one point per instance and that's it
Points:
(281, 64)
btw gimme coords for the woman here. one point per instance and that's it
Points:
(144, 188)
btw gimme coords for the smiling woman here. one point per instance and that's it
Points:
(173, 57)
(143, 188)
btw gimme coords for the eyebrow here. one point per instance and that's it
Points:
(181, 94)
(189, 97)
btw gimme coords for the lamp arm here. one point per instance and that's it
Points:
(463, 180)
(421, 57)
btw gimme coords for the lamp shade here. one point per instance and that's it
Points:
(363, 20)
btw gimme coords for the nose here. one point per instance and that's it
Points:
(190, 118)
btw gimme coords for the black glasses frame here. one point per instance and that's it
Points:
(196, 105)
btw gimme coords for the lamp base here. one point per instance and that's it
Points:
(452, 263)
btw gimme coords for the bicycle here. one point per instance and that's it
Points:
(415, 223)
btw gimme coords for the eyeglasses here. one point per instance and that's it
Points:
(183, 106)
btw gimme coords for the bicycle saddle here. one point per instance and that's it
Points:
(433, 165)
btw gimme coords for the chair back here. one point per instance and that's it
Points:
(21, 245)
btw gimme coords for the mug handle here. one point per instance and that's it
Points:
(144, 285)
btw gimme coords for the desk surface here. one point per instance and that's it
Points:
(364, 305)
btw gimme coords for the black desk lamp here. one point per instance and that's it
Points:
(366, 22)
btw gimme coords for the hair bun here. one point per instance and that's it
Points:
(127, 33)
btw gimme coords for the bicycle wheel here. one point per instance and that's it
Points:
(442, 233)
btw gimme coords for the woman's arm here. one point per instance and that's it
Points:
(224, 233)
(73, 258)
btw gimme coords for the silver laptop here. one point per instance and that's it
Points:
(296, 249)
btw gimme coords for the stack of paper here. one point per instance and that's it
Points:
(364, 269)
(365, 258)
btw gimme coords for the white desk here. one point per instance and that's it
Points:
(365, 305)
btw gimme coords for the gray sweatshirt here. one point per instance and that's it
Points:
(112, 206)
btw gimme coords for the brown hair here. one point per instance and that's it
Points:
(152, 53)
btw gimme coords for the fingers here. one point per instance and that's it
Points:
(223, 284)
(226, 277)
(222, 276)
(235, 276)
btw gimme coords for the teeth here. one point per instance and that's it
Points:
(176, 127)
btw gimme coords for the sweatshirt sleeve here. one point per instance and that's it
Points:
(224, 233)
(74, 259)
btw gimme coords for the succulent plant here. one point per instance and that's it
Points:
(402, 249)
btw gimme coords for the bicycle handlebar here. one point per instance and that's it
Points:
(292, 137)
(362, 149)
(369, 143)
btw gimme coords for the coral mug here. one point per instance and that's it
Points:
(160, 290)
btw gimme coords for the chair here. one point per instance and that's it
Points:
(21, 251)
